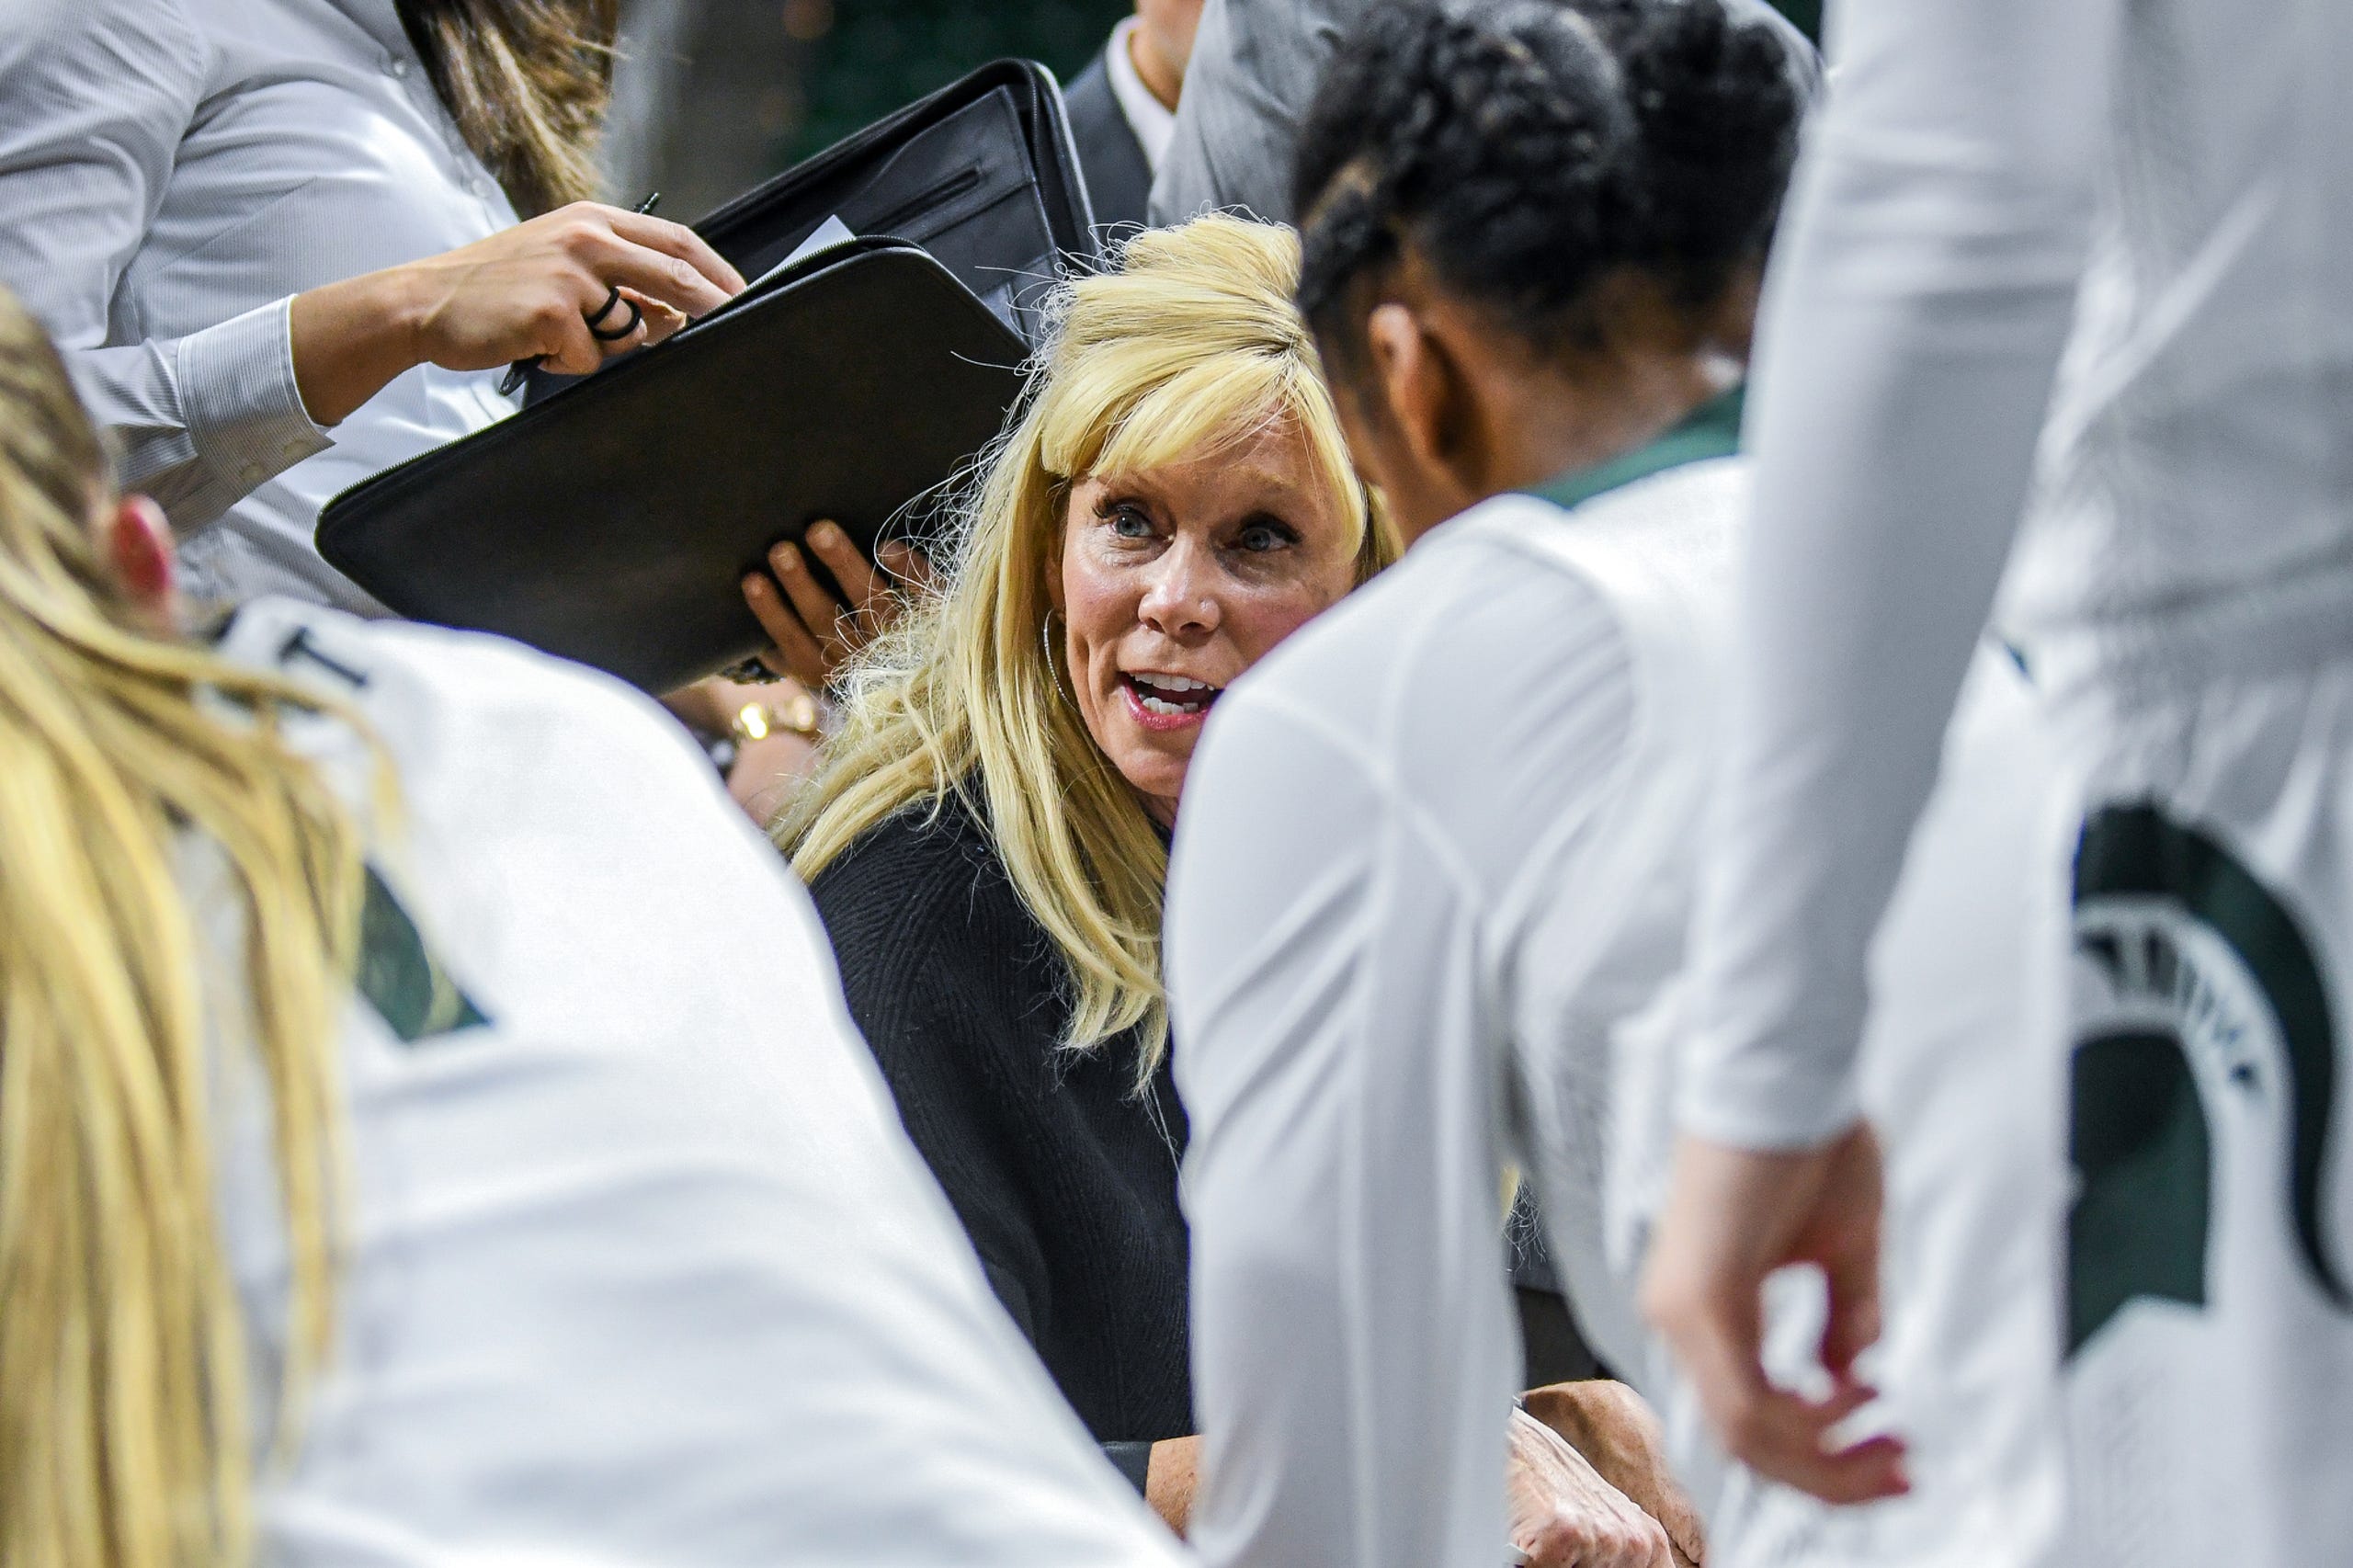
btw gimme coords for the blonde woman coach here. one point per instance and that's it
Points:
(987, 834)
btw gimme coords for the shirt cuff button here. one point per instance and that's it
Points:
(254, 473)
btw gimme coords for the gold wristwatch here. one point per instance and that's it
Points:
(795, 713)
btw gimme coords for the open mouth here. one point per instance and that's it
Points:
(1168, 697)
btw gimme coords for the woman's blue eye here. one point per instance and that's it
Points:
(1260, 536)
(1128, 523)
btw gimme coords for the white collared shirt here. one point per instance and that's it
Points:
(171, 172)
(1152, 121)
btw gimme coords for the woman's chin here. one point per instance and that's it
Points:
(1154, 765)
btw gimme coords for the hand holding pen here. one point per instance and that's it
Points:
(527, 293)
(602, 326)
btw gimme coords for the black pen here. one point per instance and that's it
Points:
(512, 382)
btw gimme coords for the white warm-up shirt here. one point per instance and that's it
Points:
(171, 173)
(640, 1267)
(1432, 873)
(2110, 231)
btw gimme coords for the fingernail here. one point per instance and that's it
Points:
(787, 558)
(825, 534)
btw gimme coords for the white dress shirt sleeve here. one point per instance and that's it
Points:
(1921, 296)
(1353, 1349)
(98, 96)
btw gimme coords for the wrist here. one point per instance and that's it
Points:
(351, 338)
(398, 298)
(1169, 1480)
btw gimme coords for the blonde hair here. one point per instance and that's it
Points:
(1190, 343)
(125, 1438)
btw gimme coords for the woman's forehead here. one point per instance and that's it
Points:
(1271, 455)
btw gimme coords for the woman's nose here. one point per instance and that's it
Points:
(1180, 595)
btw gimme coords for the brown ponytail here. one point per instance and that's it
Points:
(528, 81)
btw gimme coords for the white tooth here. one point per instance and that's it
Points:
(1154, 705)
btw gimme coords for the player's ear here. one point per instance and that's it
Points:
(1423, 379)
(139, 548)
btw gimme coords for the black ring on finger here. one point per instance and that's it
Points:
(627, 329)
(613, 298)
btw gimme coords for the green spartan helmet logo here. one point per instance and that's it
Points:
(2156, 904)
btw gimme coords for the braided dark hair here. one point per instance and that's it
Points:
(1526, 150)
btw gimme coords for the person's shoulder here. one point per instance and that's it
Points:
(558, 839)
(62, 35)
(1708, 499)
(1669, 539)
(1468, 669)
(925, 850)
(1661, 555)
(1467, 596)
(948, 976)
(396, 664)
(479, 720)
(56, 21)
(920, 890)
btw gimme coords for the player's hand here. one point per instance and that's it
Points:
(1733, 1216)
(1609, 1425)
(812, 633)
(1562, 1514)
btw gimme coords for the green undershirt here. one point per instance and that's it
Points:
(1709, 431)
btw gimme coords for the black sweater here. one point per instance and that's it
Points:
(1064, 1178)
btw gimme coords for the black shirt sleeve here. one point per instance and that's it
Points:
(1133, 1460)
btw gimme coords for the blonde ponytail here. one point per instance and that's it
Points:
(126, 759)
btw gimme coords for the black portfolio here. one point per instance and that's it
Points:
(611, 521)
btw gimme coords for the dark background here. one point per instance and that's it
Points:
(714, 95)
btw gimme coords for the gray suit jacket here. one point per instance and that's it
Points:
(1254, 69)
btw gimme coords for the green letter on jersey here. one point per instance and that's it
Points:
(2152, 895)
(400, 977)
(2143, 1162)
